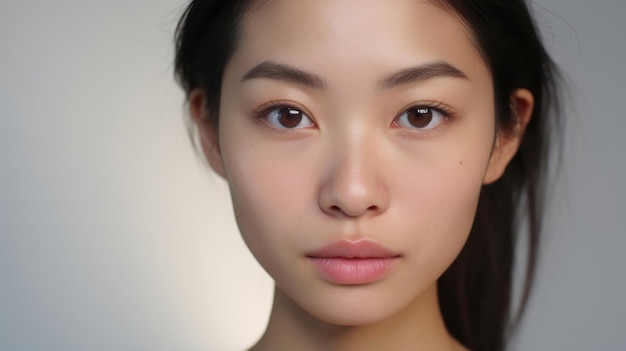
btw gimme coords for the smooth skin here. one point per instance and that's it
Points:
(328, 153)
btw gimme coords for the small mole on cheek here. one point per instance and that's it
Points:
(460, 163)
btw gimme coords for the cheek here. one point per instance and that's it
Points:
(435, 210)
(272, 197)
(446, 217)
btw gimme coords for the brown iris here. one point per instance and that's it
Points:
(419, 117)
(289, 117)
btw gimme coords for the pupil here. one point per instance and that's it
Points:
(420, 117)
(290, 118)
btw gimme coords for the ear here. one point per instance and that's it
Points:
(207, 129)
(508, 142)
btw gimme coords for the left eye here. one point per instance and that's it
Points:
(288, 118)
(420, 117)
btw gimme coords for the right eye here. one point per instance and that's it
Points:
(287, 118)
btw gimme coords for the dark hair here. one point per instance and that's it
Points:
(475, 291)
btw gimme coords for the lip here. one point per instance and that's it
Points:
(348, 262)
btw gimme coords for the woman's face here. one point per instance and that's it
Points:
(355, 137)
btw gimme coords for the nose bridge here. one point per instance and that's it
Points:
(354, 185)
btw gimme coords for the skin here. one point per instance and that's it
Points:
(356, 171)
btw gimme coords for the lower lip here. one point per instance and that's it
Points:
(353, 271)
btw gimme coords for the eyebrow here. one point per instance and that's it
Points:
(286, 73)
(439, 69)
(278, 71)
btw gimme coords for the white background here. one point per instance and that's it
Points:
(114, 235)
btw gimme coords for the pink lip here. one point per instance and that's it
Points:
(353, 262)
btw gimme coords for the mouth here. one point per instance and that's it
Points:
(347, 262)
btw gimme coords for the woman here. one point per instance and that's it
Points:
(377, 153)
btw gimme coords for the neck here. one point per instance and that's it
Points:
(419, 326)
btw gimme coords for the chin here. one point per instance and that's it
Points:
(353, 318)
(356, 308)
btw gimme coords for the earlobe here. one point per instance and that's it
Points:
(507, 143)
(207, 130)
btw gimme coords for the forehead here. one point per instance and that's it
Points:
(356, 34)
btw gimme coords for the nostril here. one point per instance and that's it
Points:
(351, 212)
(373, 208)
(348, 198)
(335, 209)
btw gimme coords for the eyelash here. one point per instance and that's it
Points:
(446, 113)
(262, 111)
(444, 109)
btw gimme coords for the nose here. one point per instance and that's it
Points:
(354, 185)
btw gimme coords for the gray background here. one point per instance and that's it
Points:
(114, 235)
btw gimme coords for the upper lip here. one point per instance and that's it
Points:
(343, 248)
